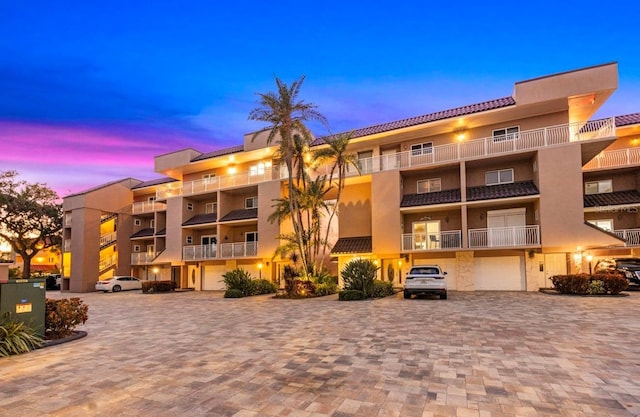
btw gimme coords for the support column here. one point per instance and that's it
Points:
(465, 271)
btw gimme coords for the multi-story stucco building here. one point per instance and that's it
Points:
(503, 194)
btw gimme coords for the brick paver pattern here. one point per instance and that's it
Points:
(482, 354)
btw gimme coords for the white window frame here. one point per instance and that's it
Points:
(602, 187)
(251, 202)
(419, 149)
(152, 224)
(210, 177)
(189, 240)
(151, 199)
(258, 169)
(210, 208)
(247, 234)
(136, 248)
(430, 185)
(499, 172)
(137, 222)
(190, 206)
(505, 133)
(607, 223)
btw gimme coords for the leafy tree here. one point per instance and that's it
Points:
(30, 217)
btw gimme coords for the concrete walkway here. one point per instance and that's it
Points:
(484, 354)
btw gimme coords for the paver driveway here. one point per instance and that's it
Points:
(197, 354)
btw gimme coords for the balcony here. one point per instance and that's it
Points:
(67, 245)
(199, 252)
(615, 159)
(451, 239)
(148, 207)
(107, 262)
(630, 236)
(239, 250)
(108, 238)
(452, 152)
(505, 237)
(142, 258)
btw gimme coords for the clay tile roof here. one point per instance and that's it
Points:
(431, 117)
(491, 192)
(142, 233)
(628, 119)
(360, 244)
(242, 214)
(616, 198)
(425, 199)
(219, 152)
(201, 219)
(157, 181)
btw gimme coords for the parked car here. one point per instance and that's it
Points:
(53, 281)
(425, 279)
(630, 267)
(119, 283)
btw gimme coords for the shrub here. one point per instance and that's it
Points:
(348, 295)
(614, 282)
(326, 289)
(158, 286)
(17, 337)
(233, 293)
(571, 283)
(262, 286)
(359, 275)
(382, 288)
(596, 287)
(238, 279)
(62, 316)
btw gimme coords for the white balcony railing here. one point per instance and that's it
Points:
(67, 245)
(141, 258)
(504, 237)
(238, 250)
(148, 207)
(108, 238)
(630, 236)
(107, 262)
(199, 252)
(451, 152)
(450, 239)
(613, 159)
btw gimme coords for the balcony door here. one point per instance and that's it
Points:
(502, 225)
(209, 243)
(426, 235)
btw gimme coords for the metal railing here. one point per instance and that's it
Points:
(238, 250)
(504, 237)
(108, 238)
(140, 258)
(148, 207)
(107, 262)
(199, 252)
(450, 239)
(630, 236)
(613, 159)
(67, 245)
(451, 152)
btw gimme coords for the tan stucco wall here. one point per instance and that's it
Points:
(449, 179)
(267, 231)
(522, 170)
(386, 227)
(355, 210)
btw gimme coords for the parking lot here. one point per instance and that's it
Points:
(482, 354)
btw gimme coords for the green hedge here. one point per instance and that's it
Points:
(596, 284)
(349, 295)
(158, 286)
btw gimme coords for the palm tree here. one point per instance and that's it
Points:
(337, 153)
(286, 116)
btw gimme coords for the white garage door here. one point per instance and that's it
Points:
(212, 279)
(505, 273)
(448, 265)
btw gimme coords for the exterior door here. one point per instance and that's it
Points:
(209, 244)
(554, 264)
(426, 235)
(501, 226)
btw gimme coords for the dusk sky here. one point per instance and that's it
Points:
(90, 91)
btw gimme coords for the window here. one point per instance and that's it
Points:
(151, 199)
(136, 248)
(190, 206)
(598, 187)
(257, 169)
(502, 176)
(189, 240)
(136, 222)
(152, 224)
(251, 202)
(508, 133)
(422, 149)
(429, 186)
(210, 208)
(208, 177)
(365, 161)
(251, 237)
(606, 224)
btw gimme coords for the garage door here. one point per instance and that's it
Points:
(212, 279)
(448, 265)
(505, 273)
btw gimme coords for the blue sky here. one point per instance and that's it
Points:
(90, 92)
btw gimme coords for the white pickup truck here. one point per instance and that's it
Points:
(425, 279)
